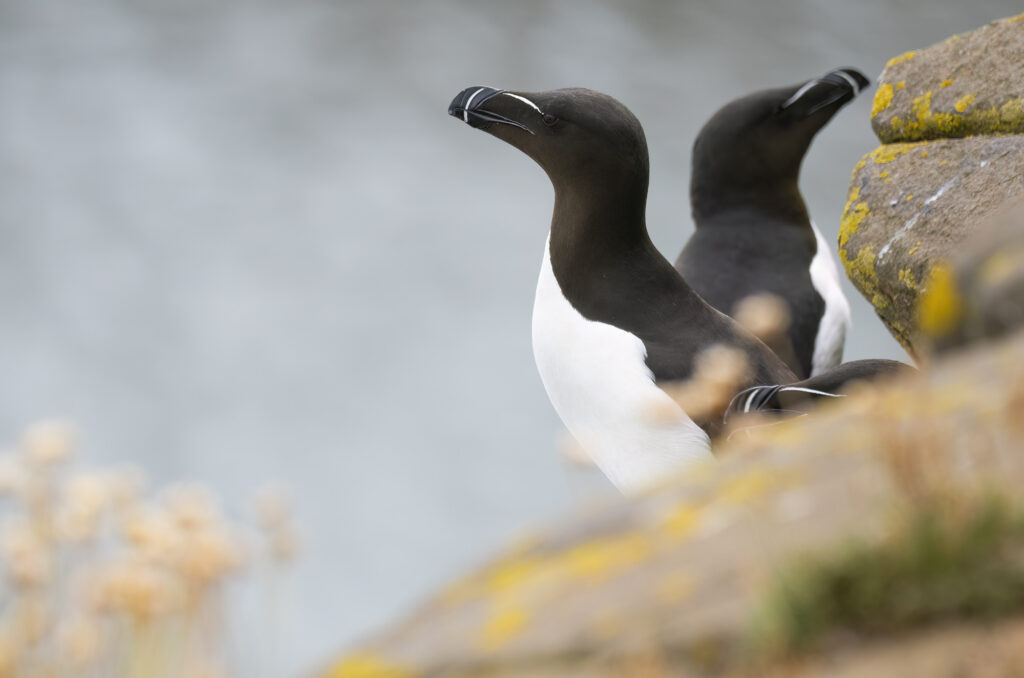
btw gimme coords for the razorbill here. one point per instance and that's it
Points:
(613, 322)
(753, 234)
(799, 398)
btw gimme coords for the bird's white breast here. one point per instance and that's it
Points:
(828, 344)
(597, 379)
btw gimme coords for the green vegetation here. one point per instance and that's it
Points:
(940, 564)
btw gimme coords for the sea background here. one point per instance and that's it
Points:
(241, 242)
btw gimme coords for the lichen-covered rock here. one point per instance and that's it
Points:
(971, 83)
(668, 585)
(912, 205)
(979, 295)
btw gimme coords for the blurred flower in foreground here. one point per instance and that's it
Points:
(274, 516)
(102, 580)
(764, 315)
(48, 442)
(720, 371)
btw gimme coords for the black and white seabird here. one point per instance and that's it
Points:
(613, 321)
(753, 233)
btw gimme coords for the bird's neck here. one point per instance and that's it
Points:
(776, 198)
(604, 260)
(600, 218)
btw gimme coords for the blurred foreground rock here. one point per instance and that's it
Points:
(979, 295)
(912, 203)
(668, 585)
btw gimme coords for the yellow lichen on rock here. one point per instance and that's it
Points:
(883, 97)
(511, 574)
(956, 88)
(906, 277)
(853, 212)
(682, 520)
(851, 221)
(522, 576)
(750, 486)
(924, 123)
(861, 271)
(511, 588)
(367, 666)
(506, 624)
(941, 305)
(921, 107)
(886, 153)
(963, 102)
(906, 56)
(855, 190)
(599, 559)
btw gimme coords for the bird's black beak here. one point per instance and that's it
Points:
(469, 106)
(835, 87)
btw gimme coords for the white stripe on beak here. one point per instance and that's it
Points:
(469, 101)
(525, 101)
(853, 83)
(799, 93)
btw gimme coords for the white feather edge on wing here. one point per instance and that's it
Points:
(836, 319)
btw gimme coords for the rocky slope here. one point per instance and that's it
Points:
(679, 581)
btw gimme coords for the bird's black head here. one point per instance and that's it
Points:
(757, 142)
(576, 135)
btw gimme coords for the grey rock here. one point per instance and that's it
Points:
(913, 205)
(979, 296)
(971, 83)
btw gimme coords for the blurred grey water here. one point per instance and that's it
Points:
(241, 241)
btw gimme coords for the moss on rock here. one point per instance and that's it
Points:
(942, 562)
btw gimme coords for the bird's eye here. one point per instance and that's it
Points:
(549, 119)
